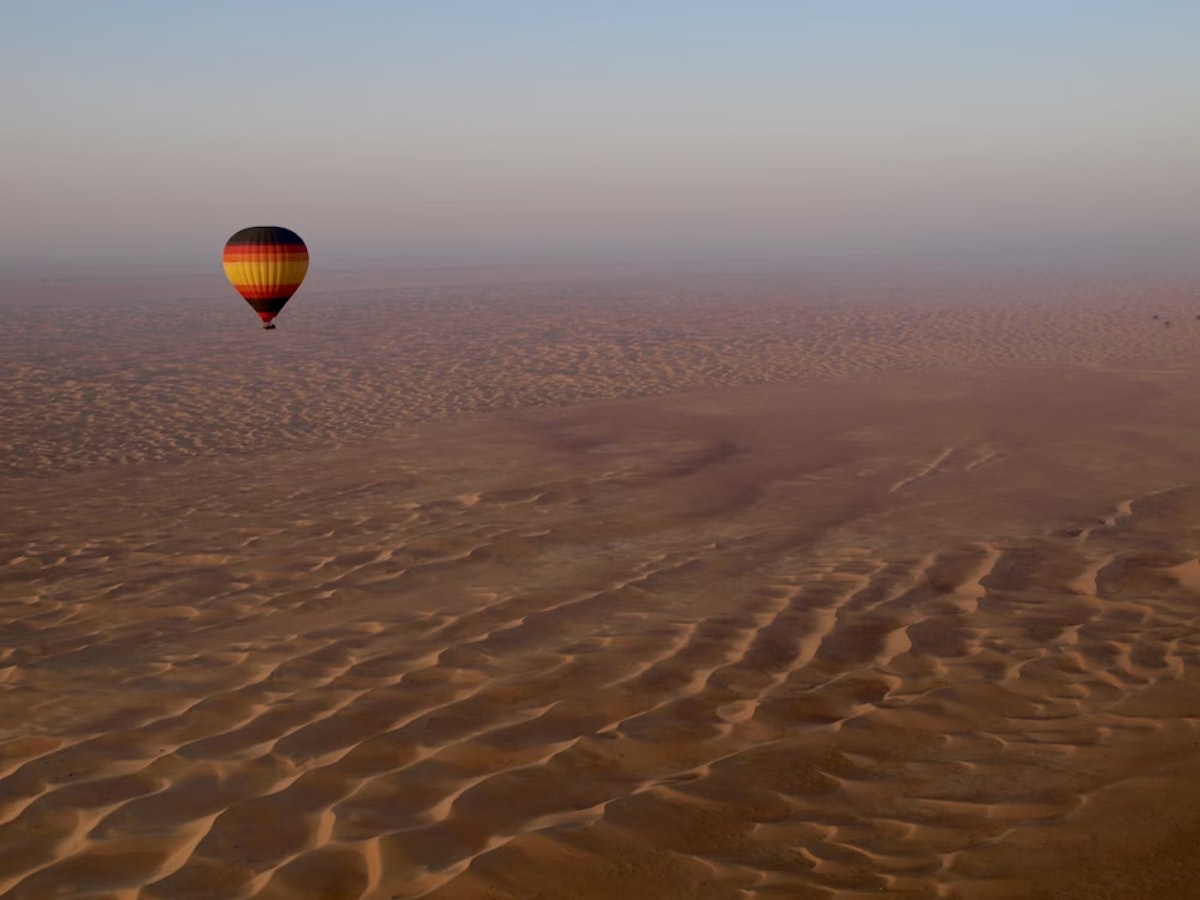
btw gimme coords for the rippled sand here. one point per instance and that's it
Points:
(586, 591)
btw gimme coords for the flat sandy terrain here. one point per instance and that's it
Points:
(594, 589)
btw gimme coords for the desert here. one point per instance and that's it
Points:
(507, 584)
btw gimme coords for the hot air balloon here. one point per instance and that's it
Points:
(266, 264)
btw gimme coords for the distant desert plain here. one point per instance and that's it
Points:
(562, 587)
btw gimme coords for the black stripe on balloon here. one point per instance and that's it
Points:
(270, 305)
(265, 234)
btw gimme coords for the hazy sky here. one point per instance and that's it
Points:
(541, 129)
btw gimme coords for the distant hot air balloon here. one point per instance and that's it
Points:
(266, 264)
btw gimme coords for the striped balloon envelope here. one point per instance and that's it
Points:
(266, 264)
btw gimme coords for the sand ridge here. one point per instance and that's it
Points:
(832, 638)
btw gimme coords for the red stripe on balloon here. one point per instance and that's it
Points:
(275, 292)
(252, 254)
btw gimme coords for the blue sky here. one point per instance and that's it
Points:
(464, 130)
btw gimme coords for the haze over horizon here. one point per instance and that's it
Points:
(537, 131)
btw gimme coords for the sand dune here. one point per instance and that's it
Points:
(771, 600)
(163, 381)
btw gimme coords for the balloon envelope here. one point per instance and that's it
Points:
(265, 264)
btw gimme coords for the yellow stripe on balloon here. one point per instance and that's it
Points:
(263, 272)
